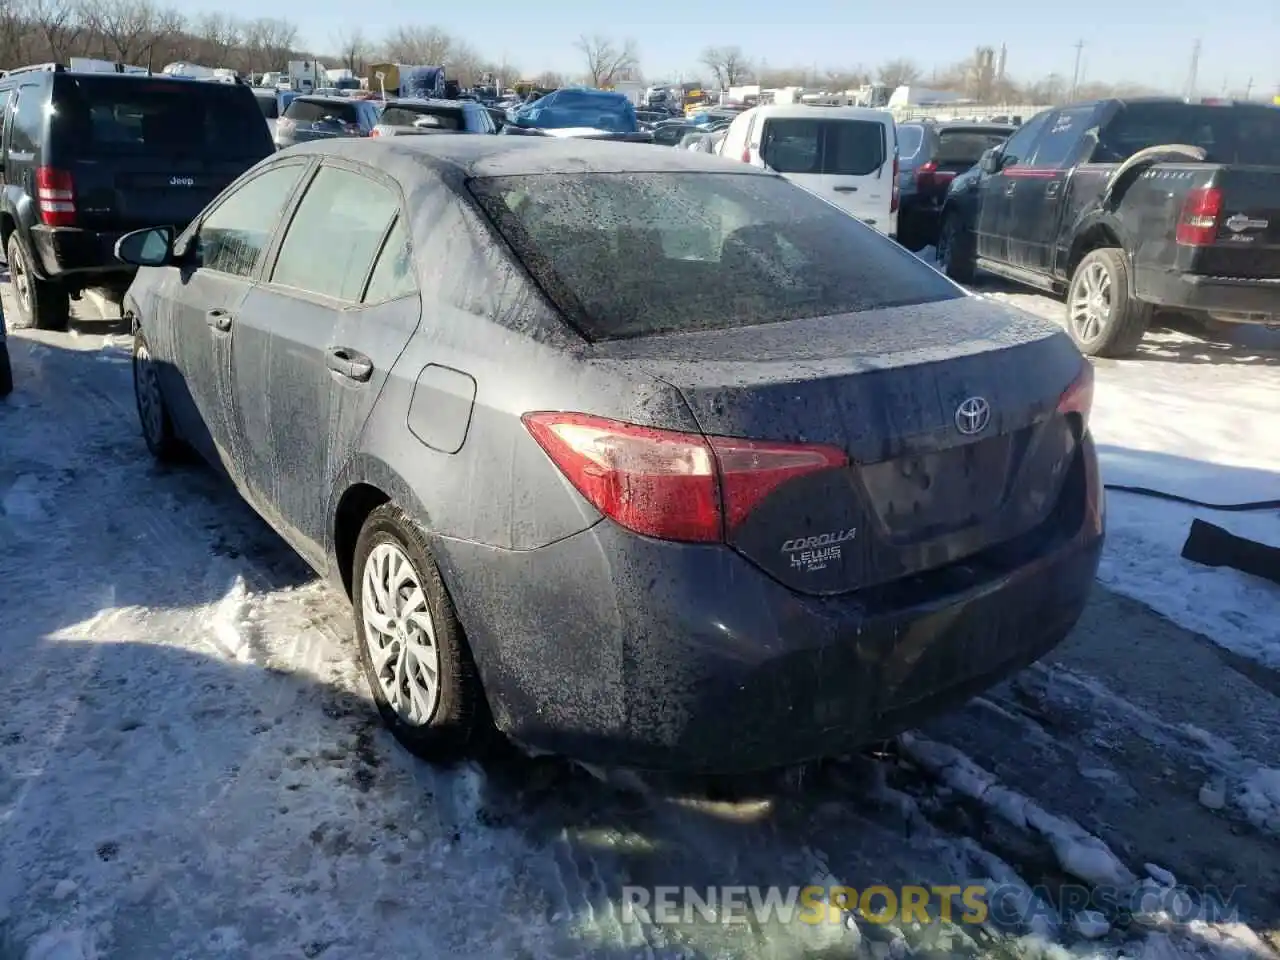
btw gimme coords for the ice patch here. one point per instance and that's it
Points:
(1260, 799)
(1090, 924)
(24, 500)
(62, 945)
(230, 620)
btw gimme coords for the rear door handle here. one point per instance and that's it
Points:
(349, 364)
(1010, 187)
(1051, 189)
(845, 189)
(219, 319)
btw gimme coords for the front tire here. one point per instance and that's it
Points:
(43, 304)
(153, 412)
(957, 249)
(415, 656)
(1103, 318)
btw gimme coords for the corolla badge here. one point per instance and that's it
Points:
(810, 554)
(1239, 223)
(973, 415)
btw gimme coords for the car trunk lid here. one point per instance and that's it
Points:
(895, 389)
(1245, 239)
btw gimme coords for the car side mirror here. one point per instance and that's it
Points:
(991, 161)
(151, 247)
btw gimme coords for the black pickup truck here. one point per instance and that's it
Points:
(1128, 206)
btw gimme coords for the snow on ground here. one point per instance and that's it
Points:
(190, 765)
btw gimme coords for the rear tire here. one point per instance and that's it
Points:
(402, 632)
(1103, 318)
(43, 304)
(957, 249)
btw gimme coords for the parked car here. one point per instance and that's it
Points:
(1125, 207)
(848, 155)
(269, 103)
(573, 108)
(89, 156)
(310, 117)
(405, 117)
(674, 134)
(930, 156)
(691, 418)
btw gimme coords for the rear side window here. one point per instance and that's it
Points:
(966, 146)
(910, 139)
(335, 234)
(852, 148)
(1244, 135)
(134, 116)
(404, 116)
(27, 133)
(635, 254)
(1062, 141)
(269, 105)
(393, 273)
(313, 111)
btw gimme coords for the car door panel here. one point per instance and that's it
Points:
(1000, 192)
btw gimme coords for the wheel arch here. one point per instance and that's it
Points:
(365, 484)
(1094, 233)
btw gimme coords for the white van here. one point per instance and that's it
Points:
(847, 155)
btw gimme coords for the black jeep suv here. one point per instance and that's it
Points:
(88, 156)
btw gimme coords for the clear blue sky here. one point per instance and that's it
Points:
(1145, 41)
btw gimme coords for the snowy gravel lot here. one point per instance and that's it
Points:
(190, 765)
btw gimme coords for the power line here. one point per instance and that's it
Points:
(1191, 75)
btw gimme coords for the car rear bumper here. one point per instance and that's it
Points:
(1197, 293)
(69, 252)
(624, 651)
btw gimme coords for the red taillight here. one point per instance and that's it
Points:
(1078, 398)
(671, 485)
(925, 172)
(56, 197)
(1198, 225)
(375, 132)
(896, 196)
(746, 154)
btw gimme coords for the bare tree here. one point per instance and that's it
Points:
(58, 27)
(728, 65)
(898, 73)
(219, 35)
(353, 49)
(550, 80)
(606, 61)
(425, 46)
(846, 79)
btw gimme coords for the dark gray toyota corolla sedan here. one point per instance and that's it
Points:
(636, 455)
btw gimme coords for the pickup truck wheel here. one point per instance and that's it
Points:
(957, 251)
(1102, 318)
(39, 303)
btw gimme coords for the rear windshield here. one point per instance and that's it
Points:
(269, 104)
(635, 254)
(852, 148)
(305, 110)
(568, 109)
(1241, 134)
(967, 146)
(111, 115)
(909, 140)
(403, 115)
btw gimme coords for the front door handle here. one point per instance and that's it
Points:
(219, 319)
(350, 364)
(1051, 188)
(1010, 187)
(845, 189)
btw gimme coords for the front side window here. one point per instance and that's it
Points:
(335, 234)
(1018, 149)
(910, 139)
(636, 254)
(1063, 138)
(233, 237)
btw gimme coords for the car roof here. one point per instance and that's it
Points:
(520, 156)
(427, 102)
(806, 111)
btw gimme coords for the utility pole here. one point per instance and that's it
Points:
(1191, 76)
(1075, 74)
(1248, 89)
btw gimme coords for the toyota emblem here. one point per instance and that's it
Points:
(972, 416)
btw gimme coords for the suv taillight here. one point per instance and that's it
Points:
(1198, 225)
(670, 485)
(1078, 398)
(928, 175)
(896, 196)
(55, 197)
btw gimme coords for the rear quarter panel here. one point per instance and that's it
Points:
(483, 318)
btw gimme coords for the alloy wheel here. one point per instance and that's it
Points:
(1091, 302)
(146, 387)
(400, 635)
(21, 280)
